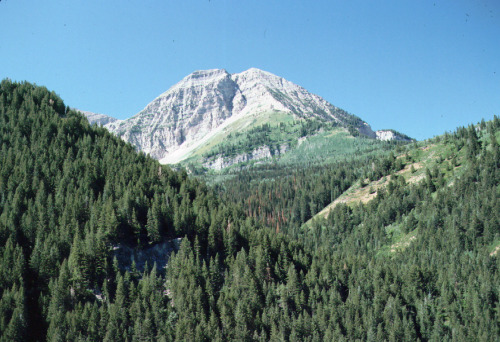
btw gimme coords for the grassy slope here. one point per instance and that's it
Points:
(416, 161)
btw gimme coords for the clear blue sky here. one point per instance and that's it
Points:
(420, 67)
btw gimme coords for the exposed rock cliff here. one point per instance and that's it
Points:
(391, 135)
(261, 153)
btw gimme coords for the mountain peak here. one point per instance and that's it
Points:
(207, 73)
(259, 76)
(256, 71)
(207, 105)
(200, 78)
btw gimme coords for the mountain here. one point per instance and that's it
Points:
(207, 110)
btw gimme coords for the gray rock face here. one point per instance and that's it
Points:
(391, 135)
(260, 153)
(204, 103)
(186, 112)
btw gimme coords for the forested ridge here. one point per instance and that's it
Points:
(417, 262)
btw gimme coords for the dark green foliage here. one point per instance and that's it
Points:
(247, 268)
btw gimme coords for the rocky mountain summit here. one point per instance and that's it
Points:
(208, 106)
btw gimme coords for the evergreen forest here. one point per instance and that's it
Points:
(399, 244)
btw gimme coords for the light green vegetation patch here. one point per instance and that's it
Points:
(329, 146)
(495, 248)
(399, 240)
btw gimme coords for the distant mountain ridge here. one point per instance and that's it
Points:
(207, 106)
(98, 119)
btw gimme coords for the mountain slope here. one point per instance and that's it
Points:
(423, 218)
(208, 107)
(417, 262)
(444, 155)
